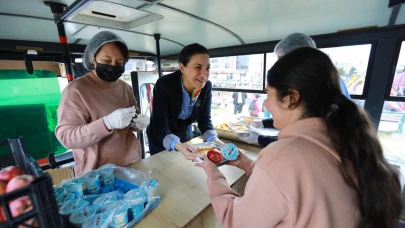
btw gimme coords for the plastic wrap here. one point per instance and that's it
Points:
(124, 180)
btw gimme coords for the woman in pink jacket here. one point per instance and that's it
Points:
(95, 114)
(326, 170)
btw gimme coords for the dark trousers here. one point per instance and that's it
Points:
(237, 108)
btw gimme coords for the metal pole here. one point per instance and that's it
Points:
(157, 38)
(64, 42)
(61, 15)
(137, 94)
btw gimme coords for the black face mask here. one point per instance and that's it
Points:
(109, 73)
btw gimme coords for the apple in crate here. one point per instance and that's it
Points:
(3, 186)
(19, 182)
(2, 217)
(20, 205)
(10, 172)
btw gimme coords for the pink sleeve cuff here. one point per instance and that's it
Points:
(99, 129)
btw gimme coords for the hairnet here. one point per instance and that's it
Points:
(96, 42)
(292, 42)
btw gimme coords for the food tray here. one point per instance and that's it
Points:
(203, 148)
(227, 134)
(239, 128)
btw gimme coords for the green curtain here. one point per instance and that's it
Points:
(28, 108)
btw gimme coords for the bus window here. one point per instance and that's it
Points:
(28, 108)
(229, 106)
(391, 130)
(237, 72)
(271, 58)
(398, 84)
(351, 63)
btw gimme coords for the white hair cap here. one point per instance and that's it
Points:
(96, 42)
(292, 42)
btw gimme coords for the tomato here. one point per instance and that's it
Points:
(214, 155)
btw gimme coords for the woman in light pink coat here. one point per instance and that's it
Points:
(326, 170)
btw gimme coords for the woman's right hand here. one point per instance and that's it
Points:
(120, 118)
(189, 152)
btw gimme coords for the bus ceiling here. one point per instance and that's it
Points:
(42, 25)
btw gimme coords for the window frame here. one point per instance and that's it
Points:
(391, 76)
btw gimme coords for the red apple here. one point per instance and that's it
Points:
(10, 172)
(214, 155)
(19, 182)
(2, 217)
(20, 205)
(3, 186)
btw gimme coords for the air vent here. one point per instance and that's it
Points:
(103, 14)
(109, 14)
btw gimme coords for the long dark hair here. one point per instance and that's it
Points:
(363, 165)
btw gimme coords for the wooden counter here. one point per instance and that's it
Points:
(183, 190)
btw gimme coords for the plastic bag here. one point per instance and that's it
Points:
(124, 180)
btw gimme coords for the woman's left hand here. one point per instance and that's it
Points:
(133, 126)
(206, 164)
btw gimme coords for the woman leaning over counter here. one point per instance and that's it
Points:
(179, 99)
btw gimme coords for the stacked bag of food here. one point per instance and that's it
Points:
(110, 196)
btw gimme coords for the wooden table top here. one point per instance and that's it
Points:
(182, 186)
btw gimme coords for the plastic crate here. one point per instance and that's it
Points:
(41, 192)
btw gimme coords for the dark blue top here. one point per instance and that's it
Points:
(167, 106)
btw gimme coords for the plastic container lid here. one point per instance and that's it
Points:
(135, 196)
(150, 183)
(102, 207)
(120, 210)
(98, 220)
(106, 198)
(65, 198)
(59, 192)
(108, 175)
(92, 181)
(90, 175)
(73, 182)
(72, 205)
(119, 205)
(230, 152)
(107, 166)
(74, 186)
(81, 215)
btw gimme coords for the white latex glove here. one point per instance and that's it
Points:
(251, 138)
(140, 122)
(120, 118)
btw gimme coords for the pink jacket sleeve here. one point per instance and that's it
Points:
(246, 164)
(250, 210)
(74, 129)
